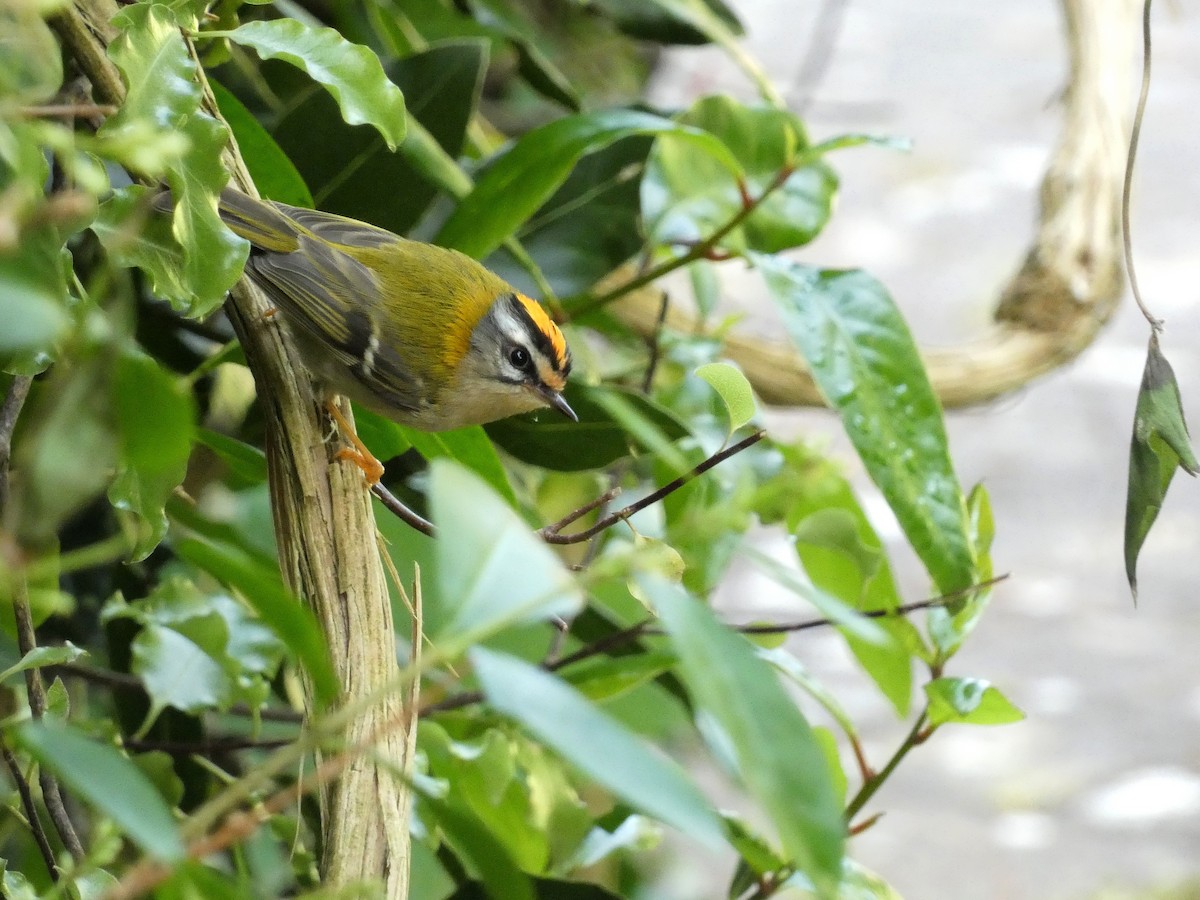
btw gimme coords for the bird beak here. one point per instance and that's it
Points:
(555, 400)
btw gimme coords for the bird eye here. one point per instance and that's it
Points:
(519, 357)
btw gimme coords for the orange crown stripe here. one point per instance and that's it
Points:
(546, 326)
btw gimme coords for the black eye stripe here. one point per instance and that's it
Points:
(536, 336)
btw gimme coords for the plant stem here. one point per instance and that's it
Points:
(916, 735)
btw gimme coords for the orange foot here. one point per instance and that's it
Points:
(358, 453)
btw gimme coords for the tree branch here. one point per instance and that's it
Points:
(1066, 290)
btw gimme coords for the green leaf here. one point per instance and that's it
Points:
(68, 453)
(260, 585)
(969, 700)
(350, 72)
(687, 194)
(134, 237)
(492, 571)
(345, 164)
(158, 71)
(658, 23)
(163, 91)
(864, 360)
(595, 441)
(734, 390)
(502, 879)
(274, 174)
(1160, 445)
(32, 299)
(247, 462)
(32, 69)
(156, 419)
(778, 756)
(178, 673)
(561, 717)
(608, 677)
(527, 174)
(536, 68)
(44, 656)
(108, 781)
(469, 447)
(213, 255)
(588, 227)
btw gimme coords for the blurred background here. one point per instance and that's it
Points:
(1097, 793)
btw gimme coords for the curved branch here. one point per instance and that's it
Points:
(1070, 282)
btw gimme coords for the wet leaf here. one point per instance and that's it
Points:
(864, 359)
(970, 701)
(1160, 445)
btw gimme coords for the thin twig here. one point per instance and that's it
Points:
(654, 341)
(126, 682)
(75, 110)
(699, 251)
(31, 811)
(650, 499)
(208, 745)
(785, 628)
(1155, 323)
(645, 628)
(915, 736)
(26, 636)
(10, 410)
(398, 509)
(36, 691)
(582, 511)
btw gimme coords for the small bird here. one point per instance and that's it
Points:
(423, 335)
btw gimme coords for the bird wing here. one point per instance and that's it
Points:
(334, 299)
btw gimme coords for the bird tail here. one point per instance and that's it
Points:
(265, 225)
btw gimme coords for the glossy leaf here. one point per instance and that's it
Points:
(259, 584)
(350, 72)
(864, 360)
(44, 656)
(213, 256)
(1160, 445)
(734, 390)
(527, 174)
(658, 22)
(969, 700)
(493, 571)
(778, 756)
(160, 73)
(346, 165)
(949, 625)
(537, 69)
(558, 715)
(549, 440)
(178, 673)
(156, 418)
(687, 195)
(104, 778)
(247, 462)
(134, 237)
(273, 172)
